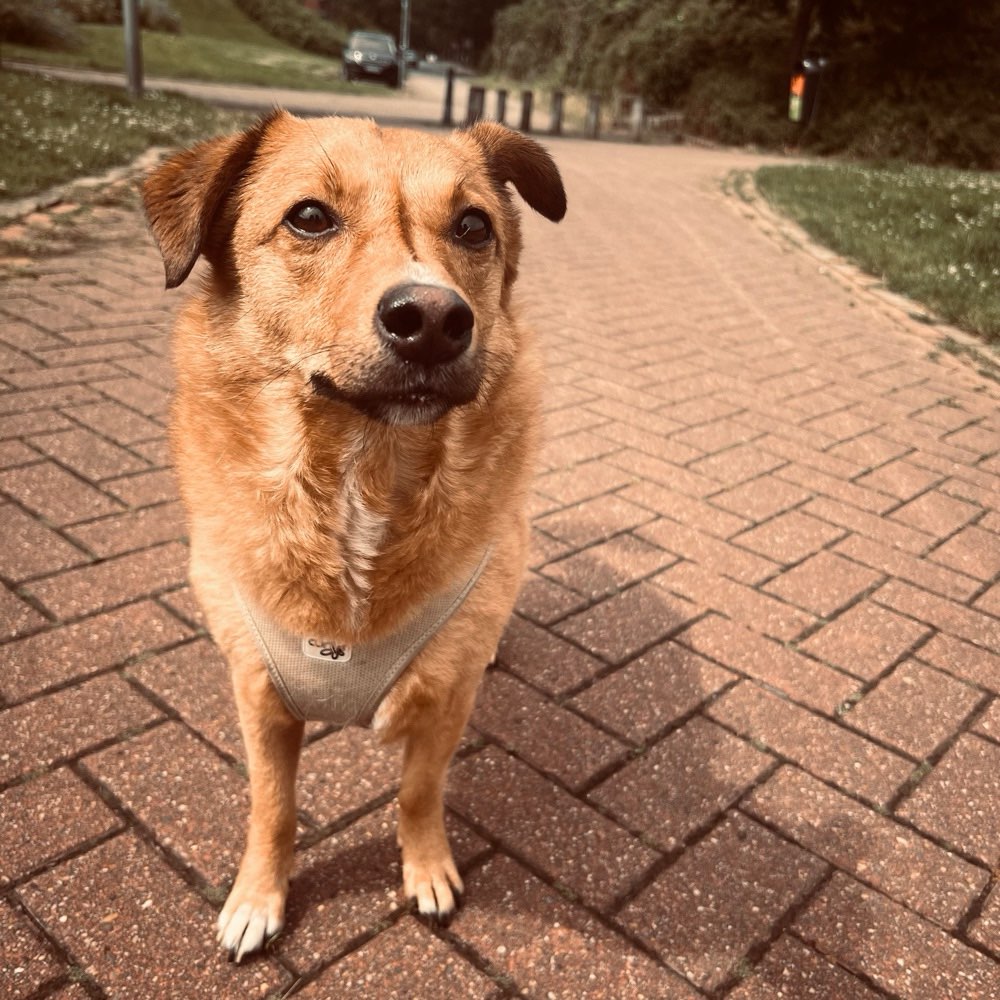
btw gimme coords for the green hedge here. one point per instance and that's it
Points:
(154, 15)
(41, 23)
(293, 23)
(905, 80)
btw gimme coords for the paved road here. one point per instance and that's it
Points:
(744, 737)
(421, 102)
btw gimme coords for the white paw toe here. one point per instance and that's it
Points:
(434, 890)
(247, 928)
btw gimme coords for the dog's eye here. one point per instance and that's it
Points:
(473, 228)
(310, 218)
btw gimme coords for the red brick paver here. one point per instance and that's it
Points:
(720, 898)
(867, 933)
(26, 960)
(743, 735)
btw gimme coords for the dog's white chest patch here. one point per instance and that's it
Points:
(360, 533)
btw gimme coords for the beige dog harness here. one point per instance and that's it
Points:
(330, 681)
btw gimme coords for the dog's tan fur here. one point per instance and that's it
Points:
(331, 522)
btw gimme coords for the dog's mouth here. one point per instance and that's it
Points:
(423, 401)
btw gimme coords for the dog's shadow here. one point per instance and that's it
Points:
(347, 885)
(343, 887)
(333, 868)
(350, 882)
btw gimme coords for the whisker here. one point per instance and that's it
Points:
(280, 375)
(322, 148)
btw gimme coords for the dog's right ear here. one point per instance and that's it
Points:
(184, 195)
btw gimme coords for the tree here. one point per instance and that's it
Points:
(905, 78)
(454, 28)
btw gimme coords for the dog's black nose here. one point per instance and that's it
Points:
(426, 324)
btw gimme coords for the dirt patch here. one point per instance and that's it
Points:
(36, 229)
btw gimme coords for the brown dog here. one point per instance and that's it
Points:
(353, 431)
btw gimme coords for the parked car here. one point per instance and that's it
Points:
(371, 56)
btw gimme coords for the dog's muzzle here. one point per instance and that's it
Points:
(426, 367)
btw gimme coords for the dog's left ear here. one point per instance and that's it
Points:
(525, 163)
(184, 195)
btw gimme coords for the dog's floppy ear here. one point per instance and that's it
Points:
(183, 196)
(523, 162)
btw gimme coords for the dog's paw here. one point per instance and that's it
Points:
(249, 920)
(435, 886)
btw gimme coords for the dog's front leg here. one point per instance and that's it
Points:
(429, 873)
(255, 909)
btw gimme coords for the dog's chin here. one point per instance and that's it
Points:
(405, 411)
(401, 407)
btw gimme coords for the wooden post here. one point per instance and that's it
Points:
(592, 123)
(501, 106)
(477, 102)
(449, 96)
(555, 126)
(133, 47)
(527, 99)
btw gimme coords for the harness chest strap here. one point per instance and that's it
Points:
(325, 680)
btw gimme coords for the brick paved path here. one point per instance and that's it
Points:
(744, 739)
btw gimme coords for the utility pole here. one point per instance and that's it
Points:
(133, 47)
(805, 72)
(803, 20)
(404, 38)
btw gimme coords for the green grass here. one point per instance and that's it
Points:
(217, 42)
(54, 131)
(930, 233)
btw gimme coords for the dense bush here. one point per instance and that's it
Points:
(42, 23)
(454, 29)
(293, 23)
(904, 80)
(154, 15)
(927, 113)
(529, 41)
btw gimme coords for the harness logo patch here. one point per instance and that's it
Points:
(326, 649)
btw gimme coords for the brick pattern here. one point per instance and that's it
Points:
(26, 960)
(872, 847)
(47, 818)
(717, 901)
(792, 970)
(743, 735)
(915, 708)
(902, 953)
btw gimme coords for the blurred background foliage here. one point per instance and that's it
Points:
(905, 79)
(461, 30)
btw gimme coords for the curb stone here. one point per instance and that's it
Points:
(911, 315)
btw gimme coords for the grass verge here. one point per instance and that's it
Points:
(54, 131)
(218, 43)
(932, 234)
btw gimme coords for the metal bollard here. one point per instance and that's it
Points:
(527, 99)
(477, 103)
(501, 106)
(555, 125)
(449, 95)
(133, 46)
(592, 123)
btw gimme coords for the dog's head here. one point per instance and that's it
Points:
(373, 265)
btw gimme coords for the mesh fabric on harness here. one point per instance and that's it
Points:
(320, 679)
